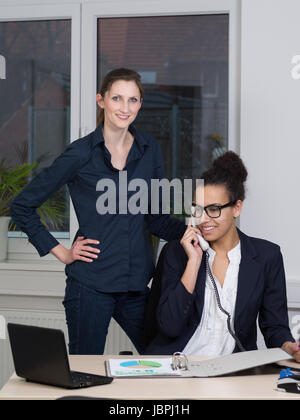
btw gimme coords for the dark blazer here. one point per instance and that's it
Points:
(261, 294)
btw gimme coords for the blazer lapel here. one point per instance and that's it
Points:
(248, 274)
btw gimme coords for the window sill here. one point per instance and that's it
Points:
(17, 265)
(30, 278)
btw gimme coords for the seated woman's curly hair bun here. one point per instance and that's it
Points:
(228, 170)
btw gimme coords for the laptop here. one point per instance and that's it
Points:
(40, 355)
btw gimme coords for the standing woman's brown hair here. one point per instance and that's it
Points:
(113, 76)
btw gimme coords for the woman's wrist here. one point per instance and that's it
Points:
(62, 254)
(195, 260)
(190, 275)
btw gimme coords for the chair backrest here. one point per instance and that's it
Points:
(151, 327)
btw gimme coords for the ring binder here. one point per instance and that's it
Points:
(179, 361)
(224, 365)
(178, 365)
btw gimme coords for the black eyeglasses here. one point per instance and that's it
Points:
(213, 210)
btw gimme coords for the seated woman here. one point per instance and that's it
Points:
(210, 301)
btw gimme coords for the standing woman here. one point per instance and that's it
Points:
(110, 263)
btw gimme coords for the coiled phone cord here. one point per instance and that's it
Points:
(208, 270)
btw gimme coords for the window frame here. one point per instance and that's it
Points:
(18, 246)
(91, 12)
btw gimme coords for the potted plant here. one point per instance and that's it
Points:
(12, 182)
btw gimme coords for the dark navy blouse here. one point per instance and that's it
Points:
(125, 262)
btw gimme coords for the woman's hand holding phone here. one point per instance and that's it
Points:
(194, 252)
(190, 243)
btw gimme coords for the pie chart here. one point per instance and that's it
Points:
(140, 364)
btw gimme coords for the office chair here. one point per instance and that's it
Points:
(150, 324)
(151, 327)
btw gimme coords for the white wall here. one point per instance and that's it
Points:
(270, 143)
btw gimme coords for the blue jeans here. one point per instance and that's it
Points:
(89, 312)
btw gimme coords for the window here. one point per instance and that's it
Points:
(41, 111)
(35, 116)
(183, 61)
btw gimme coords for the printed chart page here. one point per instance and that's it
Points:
(125, 368)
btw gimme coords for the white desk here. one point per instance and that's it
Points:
(235, 387)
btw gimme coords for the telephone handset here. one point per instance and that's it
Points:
(202, 242)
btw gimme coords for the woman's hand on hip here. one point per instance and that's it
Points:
(81, 250)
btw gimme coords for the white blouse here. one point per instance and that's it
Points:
(212, 337)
